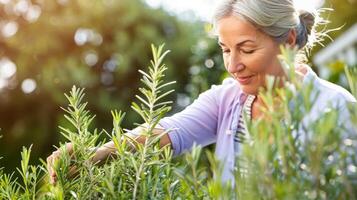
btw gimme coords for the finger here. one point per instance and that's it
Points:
(53, 180)
(69, 148)
(51, 172)
(52, 159)
(73, 172)
(49, 164)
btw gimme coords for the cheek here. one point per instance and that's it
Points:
(225, 60)
(255, 64)
(265, 62)
(225, 57)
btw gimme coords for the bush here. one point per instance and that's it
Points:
(282, 159)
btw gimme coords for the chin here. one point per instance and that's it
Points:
(250, 90)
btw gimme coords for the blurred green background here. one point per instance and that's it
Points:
(46, 46)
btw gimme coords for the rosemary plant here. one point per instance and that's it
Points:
(147, 172)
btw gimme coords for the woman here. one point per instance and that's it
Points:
(249, 33)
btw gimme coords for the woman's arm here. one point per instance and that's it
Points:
(108, 148)
(197, 123)
(102, 153)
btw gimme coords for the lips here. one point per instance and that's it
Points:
(244, 80)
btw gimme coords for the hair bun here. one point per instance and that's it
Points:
(305, 28)
(308, 20)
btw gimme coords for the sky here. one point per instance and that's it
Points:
(204, 8)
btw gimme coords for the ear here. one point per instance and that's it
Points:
(291, 37)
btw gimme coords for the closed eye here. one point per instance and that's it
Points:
(225, 50)
(247, 51)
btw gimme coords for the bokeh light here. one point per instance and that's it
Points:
(21, 7)
(4, 1)
(84, 35)
(33, 13)
(110, 65)
(209, 63)
(107, 78)
(194, 70)
(91, 58)
(9, 29)
(28, 86)
(7, 68)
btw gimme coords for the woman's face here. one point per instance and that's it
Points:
(249, 55)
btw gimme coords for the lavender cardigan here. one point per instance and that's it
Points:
(213, 117)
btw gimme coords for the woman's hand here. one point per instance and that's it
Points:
(100, 156)
(102, 153)
(53, 158)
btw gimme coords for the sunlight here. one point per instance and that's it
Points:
(200, 8)
(204, 8)
(4, 1)
(308, 5)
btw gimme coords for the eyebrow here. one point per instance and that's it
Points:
(239, 44)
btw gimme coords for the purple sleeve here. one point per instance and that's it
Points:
(197, 123)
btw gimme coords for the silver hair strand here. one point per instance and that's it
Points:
(275, 18)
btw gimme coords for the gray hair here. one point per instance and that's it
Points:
(274, 17)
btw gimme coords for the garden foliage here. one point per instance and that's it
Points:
(281, 159)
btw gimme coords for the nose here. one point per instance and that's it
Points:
(234, 64)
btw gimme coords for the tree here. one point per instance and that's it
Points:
(98, 45)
